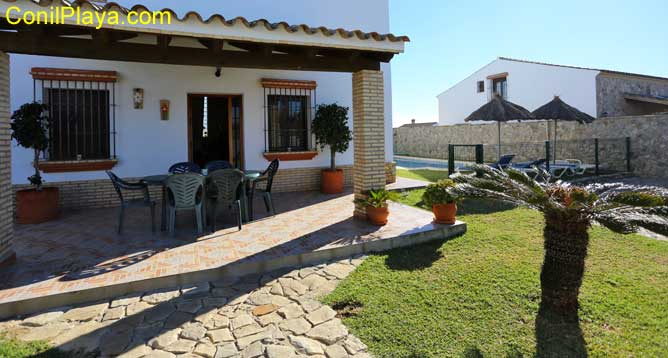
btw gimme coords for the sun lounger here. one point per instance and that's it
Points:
(503, 162)
(576, 165)
(528, 165)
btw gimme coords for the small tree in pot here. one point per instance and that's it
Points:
(30, 127)
(330, 127)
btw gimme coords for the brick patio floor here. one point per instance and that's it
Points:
(81, 250)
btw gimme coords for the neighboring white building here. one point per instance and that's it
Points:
(145, 145)
(532, 84)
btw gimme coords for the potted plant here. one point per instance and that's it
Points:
(30, 127)
(442, 201)
(330, 127)
(377, 210)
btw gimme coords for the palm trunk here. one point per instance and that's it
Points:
(333, 160)
(566, 241)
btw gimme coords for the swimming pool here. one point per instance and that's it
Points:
(425, 163)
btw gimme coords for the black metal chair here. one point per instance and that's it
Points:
(224, 192)
(185, 167)
(217, 165)
(145, 201)
(266, 177)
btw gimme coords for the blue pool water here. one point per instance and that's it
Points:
(421, 163)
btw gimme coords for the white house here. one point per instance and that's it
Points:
(532, 84)
(137, 98)
(145, 144)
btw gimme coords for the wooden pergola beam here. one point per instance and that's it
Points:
(108, 45)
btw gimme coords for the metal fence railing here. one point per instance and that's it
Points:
(595, 156)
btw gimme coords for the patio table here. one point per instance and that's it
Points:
(246, 207)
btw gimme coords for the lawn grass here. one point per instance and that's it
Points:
(423, 174)
(478, 295)
(10, 348)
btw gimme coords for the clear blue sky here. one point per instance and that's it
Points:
(450, 39)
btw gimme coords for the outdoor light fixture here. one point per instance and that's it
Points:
(164, 109)
(138, 98)
(219, 71)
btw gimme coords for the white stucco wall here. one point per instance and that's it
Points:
(529, 85)
(146, 145)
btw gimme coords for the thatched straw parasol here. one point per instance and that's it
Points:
(499, 110)
(559, 110)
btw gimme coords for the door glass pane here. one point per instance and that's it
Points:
(236, 132)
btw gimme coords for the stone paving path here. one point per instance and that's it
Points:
(272, 315)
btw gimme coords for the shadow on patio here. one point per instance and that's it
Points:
(80, 255)
(306, 223)
(84, 243)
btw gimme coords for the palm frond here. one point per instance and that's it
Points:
(596, 201)
(628, 219)
(511, 186)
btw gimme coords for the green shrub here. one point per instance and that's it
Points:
(643, 199)
(378, 198)
(439, 193)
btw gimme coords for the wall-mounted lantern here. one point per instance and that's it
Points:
(138, 98)
(164, 109)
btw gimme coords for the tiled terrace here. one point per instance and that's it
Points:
(81, 258)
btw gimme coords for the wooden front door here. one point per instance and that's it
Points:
(215, 129)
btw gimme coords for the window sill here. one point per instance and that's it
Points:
(77, 166)
(290, 156)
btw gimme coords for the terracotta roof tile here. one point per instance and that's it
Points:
(346, 34)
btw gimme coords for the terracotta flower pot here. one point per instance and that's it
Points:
(34, 207)
(445, 213)
(332, 181)
(377, 216)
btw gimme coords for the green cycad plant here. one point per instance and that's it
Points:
(569, 212)
(30, 128)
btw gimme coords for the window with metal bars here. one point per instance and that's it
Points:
(79, 124)
(288, 126)
(288, 112)
(81, 110)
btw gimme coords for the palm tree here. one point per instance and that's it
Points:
(569, 212)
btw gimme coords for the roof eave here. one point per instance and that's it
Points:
(236, 29)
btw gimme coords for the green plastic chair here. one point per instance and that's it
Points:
(223, 192)
(185, 192)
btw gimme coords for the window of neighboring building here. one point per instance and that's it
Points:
(481, 86)
(500, 87)
(79, 123)
(287, 123)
